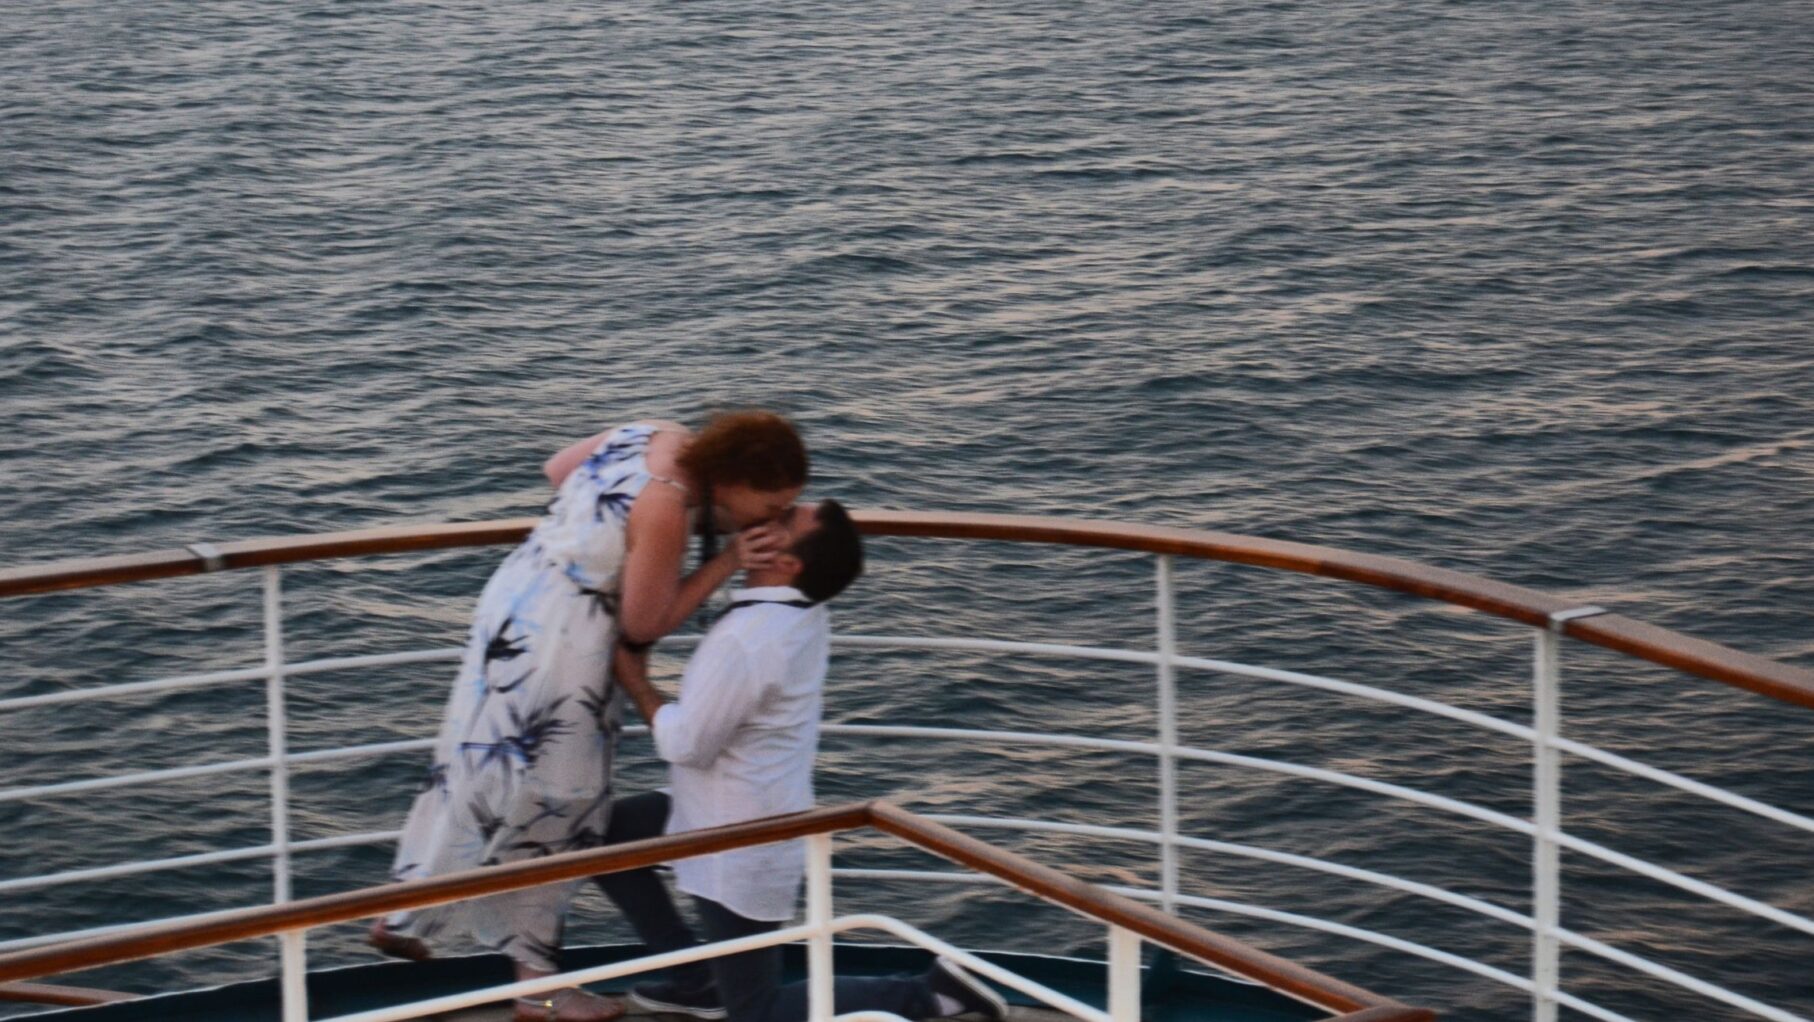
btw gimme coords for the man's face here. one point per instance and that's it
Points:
(800, 522)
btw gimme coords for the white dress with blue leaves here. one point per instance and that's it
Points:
(522, 768)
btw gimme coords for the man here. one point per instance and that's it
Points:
(740, 745)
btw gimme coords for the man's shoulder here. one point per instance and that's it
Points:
(775, 629)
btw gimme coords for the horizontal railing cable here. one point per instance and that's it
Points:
(1586, 1007)
(230, 677)
(1443, 802)
(1706, 890)
(1381, 695)
(186, 861)
(359, 751)
(1676, 977)
(126, 780)
(206, 769)
(1340, 930)
(136, 688)
(47, 939)
(1430, 891)
(1687, 784)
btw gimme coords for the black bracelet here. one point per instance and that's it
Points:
(636, 647)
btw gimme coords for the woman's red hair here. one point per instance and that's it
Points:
(749, 447)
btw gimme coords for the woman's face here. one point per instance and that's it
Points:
(740, 506)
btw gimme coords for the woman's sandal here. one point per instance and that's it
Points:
(411, 948)
(554, 1006)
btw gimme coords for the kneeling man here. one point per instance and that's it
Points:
(740, 744)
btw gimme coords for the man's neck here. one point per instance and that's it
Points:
(769, 577)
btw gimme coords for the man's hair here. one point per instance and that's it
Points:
(831, 556)
(752, 447)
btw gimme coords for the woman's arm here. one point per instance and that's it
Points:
(656, 540)
(630, 669)
(652, 609)
(559, 467)
(655, 599)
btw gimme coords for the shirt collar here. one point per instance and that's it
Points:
(767, 593)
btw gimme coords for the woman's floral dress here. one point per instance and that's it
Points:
(522, 768)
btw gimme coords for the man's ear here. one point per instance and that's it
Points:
(789, 563)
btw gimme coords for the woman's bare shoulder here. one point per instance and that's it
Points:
(665, 446)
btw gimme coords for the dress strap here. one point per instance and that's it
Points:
(664, 479)
(655, 431)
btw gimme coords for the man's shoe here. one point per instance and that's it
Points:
(671, 998)
(978, 998)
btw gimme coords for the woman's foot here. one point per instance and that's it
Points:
(569, 1005)
(397, 946)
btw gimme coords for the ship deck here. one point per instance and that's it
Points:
(1171, 995)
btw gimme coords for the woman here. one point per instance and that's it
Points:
(523, 764)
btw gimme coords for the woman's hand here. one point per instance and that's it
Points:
(757, 546)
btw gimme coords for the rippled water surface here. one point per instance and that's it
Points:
(1522, 289)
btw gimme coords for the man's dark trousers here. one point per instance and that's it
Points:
(749, 983)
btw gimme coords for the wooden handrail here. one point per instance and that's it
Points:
(88, 572)
(1043, 881)
(1528, 606)
(73, 997)
(1387, 1013)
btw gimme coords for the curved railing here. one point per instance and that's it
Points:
(1551, 618)
(1129, 922)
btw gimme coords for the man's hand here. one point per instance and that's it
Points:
(630, 669)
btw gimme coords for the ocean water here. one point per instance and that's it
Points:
(1522, 289)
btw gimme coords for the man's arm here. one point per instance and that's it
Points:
(721, 690)
(719, 696)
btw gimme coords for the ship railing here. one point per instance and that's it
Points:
(1550, 618)
(1129, 925)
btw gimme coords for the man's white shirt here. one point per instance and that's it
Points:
(740, 744)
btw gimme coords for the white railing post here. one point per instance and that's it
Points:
(1167, 641)
(819, 973)
(1546, 895)
(1124, 975)
(290, 945)
(1546, 780)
